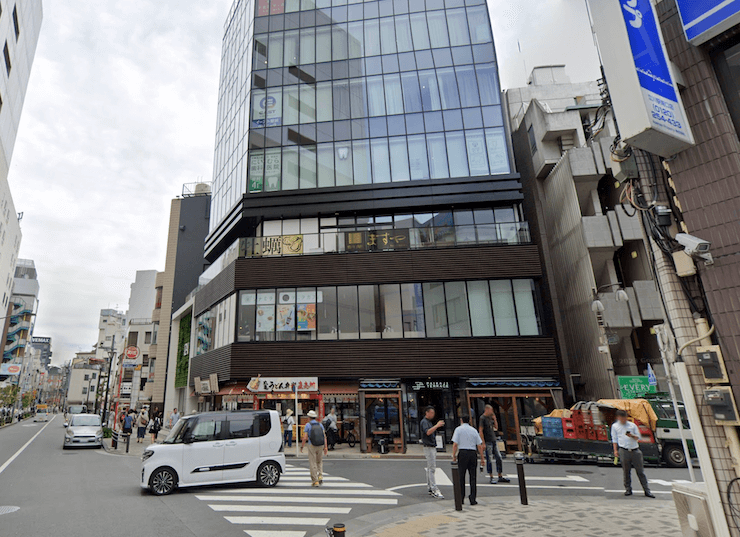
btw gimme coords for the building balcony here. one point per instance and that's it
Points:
(14, 345)
(19, 327)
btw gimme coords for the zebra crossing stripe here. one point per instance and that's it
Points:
(275, 533)
(293, 484)
(308, 478)
(302, 499)
(312, 491)
(310, 509)
(285, 521)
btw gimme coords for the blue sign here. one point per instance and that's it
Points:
(651, 64)
(652, 380)
(704, 19)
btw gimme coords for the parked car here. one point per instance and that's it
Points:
(83, 430)
(216, 447)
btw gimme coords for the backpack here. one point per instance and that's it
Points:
(316, 435)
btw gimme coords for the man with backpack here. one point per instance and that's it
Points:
(315, 435)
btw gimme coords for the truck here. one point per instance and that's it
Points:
(666, 430)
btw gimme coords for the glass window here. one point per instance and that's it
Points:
(390, 309)
(357, 97)
(481, 315)
(323, 44)
(290, 168)
(462, 55)
(291, 105)
(343, 163)
(483, 53)
(442, 57)
(361, 161)
(265, 318)
(433, 122)
(407, 61)
(326, 312)
(448, 88)
(285, 315)
(477, 157)
(403, 34)
(492, 116)
(418, 157)
(273, 169)
(381, 160)
(308, 103)
(390, 63)
(429, 90)
(375, 96)
(414, 123)
(370, 324)
(472, 118)
(387, 36)
(411, 93)
(372, 37)
(435, 312)
(468, 86)
(206, 429)
(458, 24)
(453, 120)
(458, 317)
(325, 161)
(457, 155)
(356, 39)
(275, 50)
(524, 297)
(324, 100)
(437, 156)
(290, 48)
(348, 314)
(247, 307)
(399, 159)
(393, 95)
(256, 170)
(480, 28)
(413, 310)
(341, 99)
(419, 31)
(498, 158)
(308, 46)
(308, 166)
(504, 314)
(438, 29)
(488, 84)
(339, 42)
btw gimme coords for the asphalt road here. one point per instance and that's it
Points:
(81, 493)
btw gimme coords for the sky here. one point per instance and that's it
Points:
(120, 113)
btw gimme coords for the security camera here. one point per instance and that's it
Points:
(695, 247)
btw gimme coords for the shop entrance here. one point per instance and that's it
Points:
(444, 407)
(382, 421)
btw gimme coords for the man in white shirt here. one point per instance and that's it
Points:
(465, 442)
(625, 435)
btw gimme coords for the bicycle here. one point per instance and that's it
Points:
(349, 438)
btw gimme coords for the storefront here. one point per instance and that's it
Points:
(442, 394)
(381, 415)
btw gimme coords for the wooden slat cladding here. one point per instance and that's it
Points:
(217, 361)
(219, 287)
(499, 357)
(482, 262)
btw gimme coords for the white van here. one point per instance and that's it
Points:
(216, 447)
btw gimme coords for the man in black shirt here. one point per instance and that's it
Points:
(428, 430)
(487, 427)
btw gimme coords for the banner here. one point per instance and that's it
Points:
(283, 384)
(306, 316)
(634, 387)
(368, 241)
(265, 318)
(286, 318)
(10, 369)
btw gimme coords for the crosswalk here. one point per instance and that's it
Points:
(294, 507)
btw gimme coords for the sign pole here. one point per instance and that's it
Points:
(297, 421)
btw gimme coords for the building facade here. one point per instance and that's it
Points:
(21, 310)
(44, 346)
(367, 225)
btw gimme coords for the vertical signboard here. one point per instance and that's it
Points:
(704, 19)
(646, 102)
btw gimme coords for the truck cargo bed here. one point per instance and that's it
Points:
(580, 449)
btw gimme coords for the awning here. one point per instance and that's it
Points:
(235, 389)
(380, 384)
(338, 387)
(514, 383)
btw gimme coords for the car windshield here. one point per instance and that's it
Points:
(175, 435)
(82, 421)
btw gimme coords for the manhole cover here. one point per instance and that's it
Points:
(578, 472)
(5, 509)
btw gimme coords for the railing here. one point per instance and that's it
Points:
(385, 240)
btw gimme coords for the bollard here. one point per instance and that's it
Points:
(339, 530)
(128, 441)
(114, 440)
(456, 487)
(519, 455)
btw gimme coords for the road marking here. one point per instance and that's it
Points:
(30, 425)
(441, 477)
(275, 533)
(280, 509)
(303, 499)
(653, 491)
(312, 491)
(17, 453)
(308, 478)
(278, 520)
(309, 484)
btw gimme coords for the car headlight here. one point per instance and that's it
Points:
(146, 455)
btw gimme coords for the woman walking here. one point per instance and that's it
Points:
(155, 424)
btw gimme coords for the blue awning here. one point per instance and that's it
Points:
(382, 384)
(514, 383)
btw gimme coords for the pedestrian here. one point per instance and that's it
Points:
(288, 423)
(465, 442)
(315, 435)
(155, 424)
(128, 423)
(487, 427)
(625, 435)
(174, 418)
(429, 443)
(332, 430)
(142, 422)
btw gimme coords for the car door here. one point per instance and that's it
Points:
(242, 450)
(203, 451)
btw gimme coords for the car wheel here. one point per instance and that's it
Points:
(268, 474)
(163, 481)
(674, 456)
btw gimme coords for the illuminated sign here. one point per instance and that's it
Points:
(705, 19)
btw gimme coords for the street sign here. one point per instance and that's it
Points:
(705, 19)
(652, 380)
(132, 352)
(634, 387)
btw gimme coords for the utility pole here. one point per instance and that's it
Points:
(111, 354)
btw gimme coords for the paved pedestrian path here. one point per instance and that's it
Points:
(294, 507)
(584, 517)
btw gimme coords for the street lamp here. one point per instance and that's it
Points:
(597, 306)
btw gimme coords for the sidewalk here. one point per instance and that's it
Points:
(584, 517)
(135, 449)
(343, 451)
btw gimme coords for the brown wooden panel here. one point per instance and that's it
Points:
(217, 361)
(218, 288)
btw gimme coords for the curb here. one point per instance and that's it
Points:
(16, 422)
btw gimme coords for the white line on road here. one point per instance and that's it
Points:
(283, 521)
(288, 477)
(310, 509)
(341, 484)
(17, 453)
(441, 477)
(562, 487)
(305, 499)
(312, 491)
(653, 491)
(275, 533)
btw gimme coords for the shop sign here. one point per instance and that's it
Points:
(10, 369)
(368, 241)
(129, 363)
(283, 384)
(430, 385)
(126, 388)
(267, 109)
(705, 19)
(634, 387)
(274, 246)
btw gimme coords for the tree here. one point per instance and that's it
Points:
(27, 399)
(8, 395)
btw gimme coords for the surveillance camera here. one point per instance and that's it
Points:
(695, 247)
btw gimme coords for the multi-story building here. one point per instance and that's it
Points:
(43, 344)
(367, 225)
(188, 227)
(82, 384)
(111, 324)
(22, 310)
(19, 34)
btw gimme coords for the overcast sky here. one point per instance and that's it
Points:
(120, 113)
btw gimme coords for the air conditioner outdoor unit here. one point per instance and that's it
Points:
(693, 510)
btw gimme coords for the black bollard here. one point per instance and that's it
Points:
(114, 440)
(456, 487)
(339, 530)
(520, 477)
(128, 441)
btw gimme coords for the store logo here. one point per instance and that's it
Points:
(631, 7)
(268, 103)
(343, 153)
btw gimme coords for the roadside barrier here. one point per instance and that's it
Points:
(119, 436)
